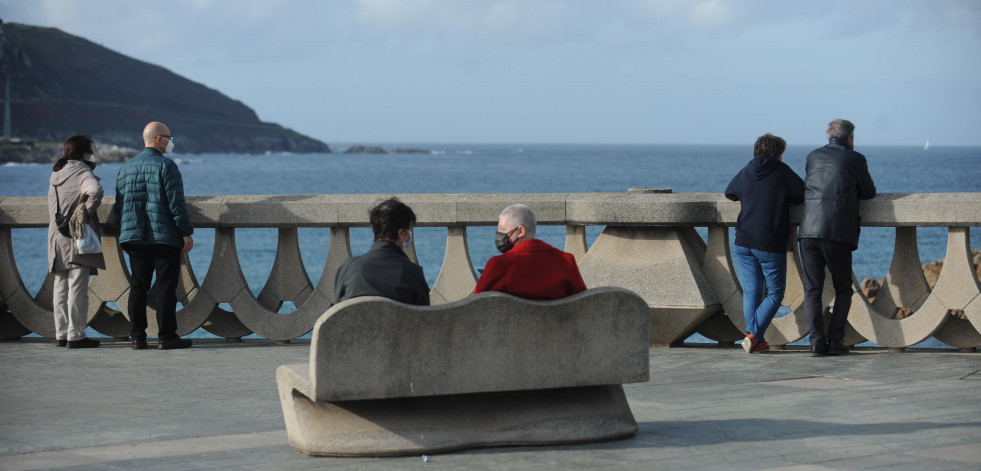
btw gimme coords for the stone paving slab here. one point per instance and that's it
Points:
(215, 406)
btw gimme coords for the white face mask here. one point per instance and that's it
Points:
(92, 158)
(170, 146)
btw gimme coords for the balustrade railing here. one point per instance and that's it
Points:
(649, 244)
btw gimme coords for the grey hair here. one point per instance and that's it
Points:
(520, 215)
(840, 129)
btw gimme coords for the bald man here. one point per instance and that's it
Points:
(154, 227)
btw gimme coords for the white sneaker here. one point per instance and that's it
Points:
(749, 342)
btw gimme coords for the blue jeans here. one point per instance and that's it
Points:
(761, 269)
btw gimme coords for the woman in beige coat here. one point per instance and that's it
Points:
(72, 184)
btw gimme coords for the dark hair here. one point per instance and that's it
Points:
(75, 149)
(388, 217)
(769, 145)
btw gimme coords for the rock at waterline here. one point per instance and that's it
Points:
(360, 149)
(931, 271)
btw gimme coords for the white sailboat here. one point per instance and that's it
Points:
(927, 145)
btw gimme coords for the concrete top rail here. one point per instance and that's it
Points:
(443, 210)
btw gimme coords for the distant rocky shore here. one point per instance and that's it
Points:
(360, 149)
(48, 152)
(931, 271)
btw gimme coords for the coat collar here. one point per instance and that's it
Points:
(531, 245)
(388, 245)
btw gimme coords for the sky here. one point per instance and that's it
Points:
(563, 71)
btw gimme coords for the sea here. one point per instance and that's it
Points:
(497, 168)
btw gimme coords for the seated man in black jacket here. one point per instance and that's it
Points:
(385, 270)
(837, 177)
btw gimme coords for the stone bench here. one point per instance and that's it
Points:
(387, 378)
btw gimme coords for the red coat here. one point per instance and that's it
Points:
(533, 270)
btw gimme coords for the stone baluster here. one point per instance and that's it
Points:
(457, 277)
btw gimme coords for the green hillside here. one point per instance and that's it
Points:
(62, 84)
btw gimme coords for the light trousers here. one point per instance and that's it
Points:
(71, 303)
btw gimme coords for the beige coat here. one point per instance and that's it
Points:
(75, 182)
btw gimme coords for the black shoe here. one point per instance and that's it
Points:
(84, 343)
(139, 344)
(837, 347)
(175, 344)
(819, 350)
(62, 342)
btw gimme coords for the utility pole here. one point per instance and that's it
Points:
(7, 72)
(6, 111)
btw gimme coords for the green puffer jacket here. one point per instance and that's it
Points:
(150, 206)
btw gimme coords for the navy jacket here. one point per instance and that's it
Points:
(384, 270)
(837, 177)
(766, 187)
(150, 206)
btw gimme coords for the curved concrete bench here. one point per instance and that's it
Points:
(387, 378)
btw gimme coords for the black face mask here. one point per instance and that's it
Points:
(503, 240)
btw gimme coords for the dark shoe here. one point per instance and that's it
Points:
(84, 343)
(62, 342)
(139, 344)
(837, 347)
(819, 350)
(175, 344)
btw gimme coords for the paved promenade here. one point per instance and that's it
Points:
(215, 406)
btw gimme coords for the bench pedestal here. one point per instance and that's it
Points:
(433, 424)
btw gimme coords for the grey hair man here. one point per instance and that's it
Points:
(837, 178)
(528, 267)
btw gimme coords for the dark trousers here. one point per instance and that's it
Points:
(144, 260)
(815, 255)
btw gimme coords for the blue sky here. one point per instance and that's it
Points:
(563, 71)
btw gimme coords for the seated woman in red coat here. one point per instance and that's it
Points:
(528, 268)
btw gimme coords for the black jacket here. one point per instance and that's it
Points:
(766, 187)
(837, 177)
(384, 270)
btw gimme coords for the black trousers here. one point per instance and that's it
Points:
(815, 255)
(144, 260)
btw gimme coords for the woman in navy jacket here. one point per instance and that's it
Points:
(766, 187)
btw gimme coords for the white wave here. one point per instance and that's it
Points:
(22, 164)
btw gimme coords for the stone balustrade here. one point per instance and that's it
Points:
(649, 245)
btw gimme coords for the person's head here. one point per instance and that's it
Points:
(157, 135)
(516, 223)
(769, 145)
(843, 131)
(78, 147)
(392, 220)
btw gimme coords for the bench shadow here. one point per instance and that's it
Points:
(668, 434)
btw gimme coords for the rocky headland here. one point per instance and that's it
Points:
(61, 85)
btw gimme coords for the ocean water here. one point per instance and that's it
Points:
(497, 168)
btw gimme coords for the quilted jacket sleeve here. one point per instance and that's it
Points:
(174, 188)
